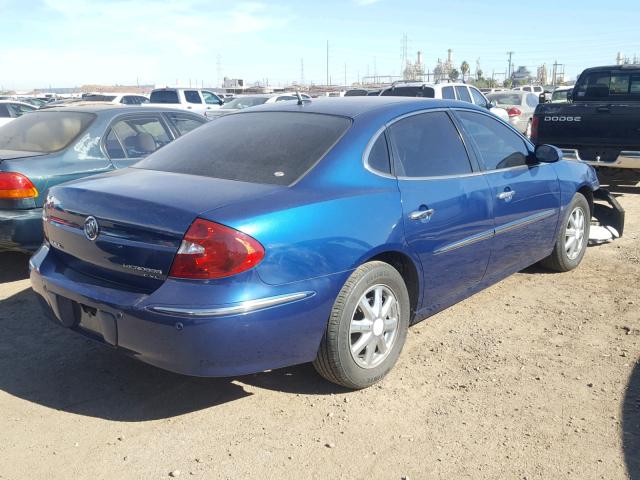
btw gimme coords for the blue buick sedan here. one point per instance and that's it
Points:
(311, 232)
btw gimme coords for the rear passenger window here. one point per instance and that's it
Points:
(192, 96)
(498, 145)
(113, 147)
(379, 156)
(184, 123)
(532, 100)
(140, 136)
(463, 94)
(448, 93)
(428, 145)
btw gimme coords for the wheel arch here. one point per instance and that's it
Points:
(587, 192)
(409, 271)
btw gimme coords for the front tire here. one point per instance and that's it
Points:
(573, 237)
(367, 327)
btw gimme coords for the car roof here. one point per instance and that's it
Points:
(353, 107)
(612, 67)
(16, 101)
(97, 107)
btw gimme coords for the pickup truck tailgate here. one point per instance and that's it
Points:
(594, 129)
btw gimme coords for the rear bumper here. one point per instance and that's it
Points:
(280, 329)
(626, 159)
(20, 230)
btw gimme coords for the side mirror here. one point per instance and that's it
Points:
(490, 105)
(548, 154)
(542, 98)
(220, 102)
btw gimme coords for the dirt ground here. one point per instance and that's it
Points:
(537, 377)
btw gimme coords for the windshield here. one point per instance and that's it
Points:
(244, 102)
(43, 132)
(506, 98)
(420, 91)
(164, 96)
(259, 147)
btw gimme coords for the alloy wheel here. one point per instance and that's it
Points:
(374, 326)
(574, 233)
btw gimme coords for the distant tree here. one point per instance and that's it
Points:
(464, 68)
(479, 74)
(508, 83)
(453, 75)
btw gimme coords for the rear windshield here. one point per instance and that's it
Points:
(164, 96)
(356, 93)
(244, 102)
(44, 132)
(409, 92)
(506, 98)
(258, 147)
(614, 85)
(99, 98)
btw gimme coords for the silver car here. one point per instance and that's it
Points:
(519, 105)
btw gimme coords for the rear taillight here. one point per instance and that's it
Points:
(15, 185)
(210, 250)
(514, 112)
(535, 121)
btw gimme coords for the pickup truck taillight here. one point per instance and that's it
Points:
(14, 185)
(534, 128)
(514, 112)
(210, 250)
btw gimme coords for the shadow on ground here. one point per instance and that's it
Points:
(44, 363)
(631, 424)
(13, 267)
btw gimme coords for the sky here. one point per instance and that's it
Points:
(67, 43)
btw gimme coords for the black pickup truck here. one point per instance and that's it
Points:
(601, 123)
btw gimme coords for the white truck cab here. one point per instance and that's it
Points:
(193, 99)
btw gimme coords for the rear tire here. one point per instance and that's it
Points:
(573, 237)
(367, 327)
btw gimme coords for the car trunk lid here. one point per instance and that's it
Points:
(125, 228)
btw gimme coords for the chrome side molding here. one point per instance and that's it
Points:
(239, 308)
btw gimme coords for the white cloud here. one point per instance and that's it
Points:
(85, 41)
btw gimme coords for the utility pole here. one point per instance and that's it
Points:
(301, 71)
(509, 69)
(219, 70)
(327, 62)
(405, 50)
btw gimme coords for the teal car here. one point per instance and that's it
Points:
(51, 146)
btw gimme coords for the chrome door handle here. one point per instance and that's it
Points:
(508, 195)
(421, 214)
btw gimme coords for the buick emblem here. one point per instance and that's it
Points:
(91, 228)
